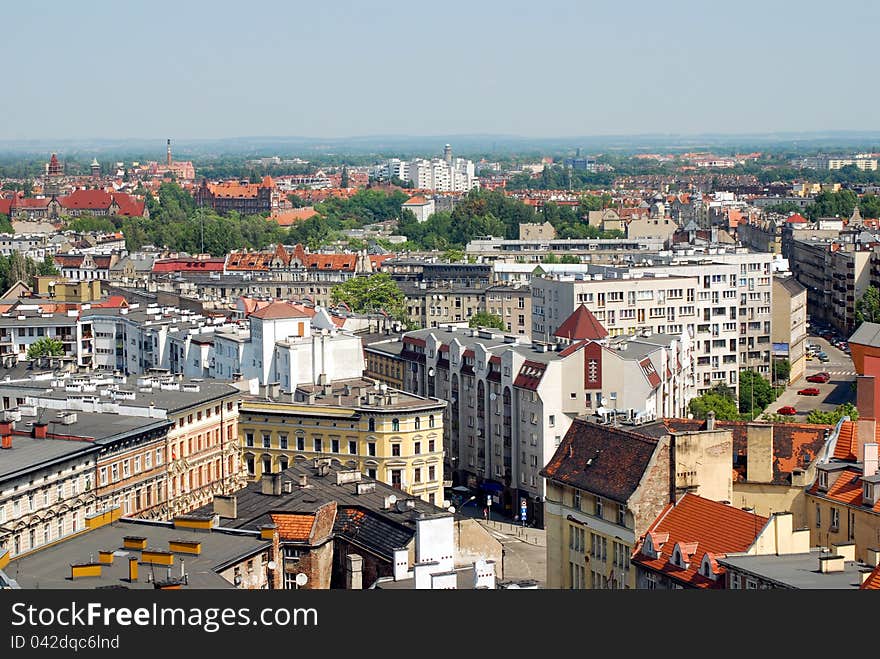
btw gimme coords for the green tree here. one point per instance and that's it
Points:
(90, 223)
(453, 255)
(47, 266)
(376, 293)
(781, 370)
(783, 208)
(755, 393)
(724, 406)
(550, 258)
(832, 417)
(344, 182)
(486, 319)
(868, 306)
(832, 204)
(5, 224)
(869, 206)
(45, 346)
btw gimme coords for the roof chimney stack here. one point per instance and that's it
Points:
(869, 458)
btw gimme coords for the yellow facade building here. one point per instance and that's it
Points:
(390, 435)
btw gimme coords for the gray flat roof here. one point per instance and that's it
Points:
(30, 319)
(867, 334)
(50, 567)
(798, 570)
(28, 453)
(171, 400)
(388, 347)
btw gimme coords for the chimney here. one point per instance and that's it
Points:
(287, 487)
(866, 397)
(40, 430)
(872, 556)
(831, 563)
(864, 574)
(303, 480)
(132, 570)
(710, 420)
(354, 569)
(226, 505)
(759, 453)
(869, 459)
(847, 550)
(865, 430)
(271, 484)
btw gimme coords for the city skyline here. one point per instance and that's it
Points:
(349, 70)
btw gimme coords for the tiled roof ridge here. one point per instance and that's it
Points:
(793, 424)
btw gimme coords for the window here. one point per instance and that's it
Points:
(552, 420)
(126, 468)
(432, 473)
(751, 584)
(431, 421)
(371, 449)
(250, 465)
(823, 479)
(371, 473)
(621, 514)
(267, 464)
(600, 507)
(835, 519)
(371, 425)
(249, 439)
(352, 446)
(734, 581)
(395, 425)
(418, 422)
(417, 475)
(818, 515)
(650, 581)
(267, 440)
(417, 448)
(395, 449)
(334, 446)
(576, 499)
(158, 456)
(431, 446)
(318, 444)
(282, 441)
(576, 539)
(114, 472)
(300, 443)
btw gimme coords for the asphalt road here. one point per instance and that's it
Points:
(838, 390)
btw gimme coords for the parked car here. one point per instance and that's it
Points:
(824, 358)
(788, 410)
(809, 391)
(822, 377)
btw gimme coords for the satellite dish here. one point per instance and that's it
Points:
(392, 499)
(493, 396)
(302, 579)
(431, 371)
(271, 565)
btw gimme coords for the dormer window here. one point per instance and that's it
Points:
(823, 479)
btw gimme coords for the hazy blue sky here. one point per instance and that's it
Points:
(335, 68)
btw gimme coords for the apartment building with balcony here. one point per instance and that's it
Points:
(21, 328)
(511, 400)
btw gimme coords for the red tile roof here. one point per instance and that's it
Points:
(189, 265)
(415, 201)
(294, 526)
(650, 372)
(573, 348)
(290, 216)
(797, 218)
(580, 325)
(698, 526)
(873, 581)
(847, 444)
(530, 374)
(846, 488)
(278, 310)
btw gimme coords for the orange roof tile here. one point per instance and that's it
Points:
(699, 527)
(278, 310)
(873, 581)
(847, 441)
(581, 324)
(294, 526)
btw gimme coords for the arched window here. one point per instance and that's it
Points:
(395, 425)
(418, 423)
(371, 425)
(431, 421)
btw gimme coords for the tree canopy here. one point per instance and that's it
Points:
(868, 306)
(486, 319)
(377, 293)
(755, 393)
(833, 416)
(718, 399)
(45, 346)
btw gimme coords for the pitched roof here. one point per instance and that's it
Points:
(294, 526)
(418, 200)
(581, 325)
(278, 310)
(797, 218)
(530, 374)
(189, 265)
(873, 581)
(290, 216)
(846, 447)
(699, 526)
(604, 460)
(795, 445)
(846, 488)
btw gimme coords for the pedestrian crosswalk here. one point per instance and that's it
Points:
(841, 372)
